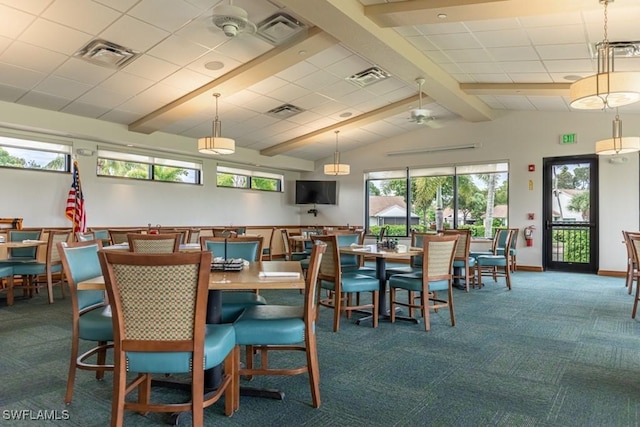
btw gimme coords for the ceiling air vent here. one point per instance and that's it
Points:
(368, 77)
(106, 54)
(279, 28)
(285, 111)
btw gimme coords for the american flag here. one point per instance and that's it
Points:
(75, 203)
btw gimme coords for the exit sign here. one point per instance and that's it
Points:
(568, 138)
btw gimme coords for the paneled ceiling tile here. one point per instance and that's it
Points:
(523, 67)
(297, 71)
(304, 118)
(66, 40)
(4, 43)
(617, 31)
(166, 14)
(95, 17)
(134, 34)
(241, 98)
(104, 98)
(467, 55)
(548, 103)
(371, 104)
(126, 83)
(258, 11)
(317, 80)
(463, 78)
(85, 110)
(62, 87)
(244, 48)
(515, 102)
(83, 72)
(422, 43)
(278, 127)
(438, 56)
(262, 104)
(43, 100)
(323, 122)
(556, 19)
(13, 22)
(355, 112)
(492, 78)
(627, 64)
(570, 66)
(332, 107)
(384, 87)
(558, 34)
(32, 57)
(121, 5)
(564, 51)
(348, 66)
(401, 93)
(120, 116)
(267, 85)
(517, 53)
(356, 97)
(338, 89)
(186, 80)
(451, 68)
(289, 92)
(480, 67)
(151, 67)
(493, 24)
(178, 50)
(311, 101)
(503, 38)
(381, 128)
(34, 6)
(560, 77)
(240, 114)
(491, 101)
(228, 64)
(454, 41)
(202, 31)
(20, 77)
(444, 28)
(330, 56)
(152, 99)
(408, 31)
(531, 77)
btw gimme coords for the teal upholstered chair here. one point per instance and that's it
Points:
(498, 242)
(6, 273)
(172, 340)
(289, 253)
(462, 262)
(348, 262)
(23, 254)
(267, 251)
(496, 265)
(436, 276)
(84, 237)
(247, 248)
(340, 286)
(513, 251)
(103, 236)
(264, 328)
(52, 265)
(89, 320)
(415, 264)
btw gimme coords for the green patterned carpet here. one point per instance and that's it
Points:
(558, 350)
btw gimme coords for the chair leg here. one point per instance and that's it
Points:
(117, 399)
(101, 359)
(10, 290)
(450, 304)
(337, 299)
(507, 276)
(313, 369)
(71, 377)
(392, 304)
(635, 303)
(376, 308)
(424, 302)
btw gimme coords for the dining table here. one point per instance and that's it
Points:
(7, 246)
(381, 256)
(261, 275)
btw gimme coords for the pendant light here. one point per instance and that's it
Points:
(618, 144)
(336, 168)
(215, 144)
(608, 88)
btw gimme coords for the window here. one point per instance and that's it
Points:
(467, 196)
(31, 154)
(139, 166)
(243, 178)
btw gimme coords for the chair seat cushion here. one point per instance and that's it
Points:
(270, 325)
(492, 260)
(413, 282)
(460, 263)
(500, 251)
(299, 256)
(355, 269)
(32, 268)
(6, 271)
(234, 302)
(95, 325)
(476, 254)
(354, 282)
(407, 269)
(304, 263)
(218, 342)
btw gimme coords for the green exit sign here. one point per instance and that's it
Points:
(569, 138)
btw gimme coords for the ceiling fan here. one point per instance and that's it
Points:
(420, 115)
(232, 20)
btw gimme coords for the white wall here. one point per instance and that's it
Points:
(521, 138)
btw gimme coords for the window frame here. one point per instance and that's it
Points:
(249, 175)
(37, 144)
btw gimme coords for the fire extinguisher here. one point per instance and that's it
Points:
(528, 235)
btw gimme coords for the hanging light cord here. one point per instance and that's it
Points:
(336, 155)
(605, 59)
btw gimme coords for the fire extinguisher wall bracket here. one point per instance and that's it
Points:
(528, 235)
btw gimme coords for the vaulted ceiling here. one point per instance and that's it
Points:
(477, 57)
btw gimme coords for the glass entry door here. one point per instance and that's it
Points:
(570, 207)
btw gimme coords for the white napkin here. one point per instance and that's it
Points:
(32, 241)
(279, 274)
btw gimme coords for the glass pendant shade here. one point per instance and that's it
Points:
(337, 168)
(216, 144)
(618, 144)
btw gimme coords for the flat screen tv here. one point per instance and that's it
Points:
(316, 192)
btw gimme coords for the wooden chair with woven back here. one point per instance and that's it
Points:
(173, 340)
(267, 251)
(496, 264)
(154, 243)
(264, 328)
(463, 264)
(436, 276)
(119, 236)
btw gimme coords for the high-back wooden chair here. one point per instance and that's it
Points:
(118, 236)
(150, 341)
(463, 264)
(496, 264)
(154, 243)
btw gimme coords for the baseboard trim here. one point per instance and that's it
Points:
(529, 268)
(612, 273)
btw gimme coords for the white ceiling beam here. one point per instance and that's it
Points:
(519, 89)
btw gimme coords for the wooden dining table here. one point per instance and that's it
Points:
(5, 247)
